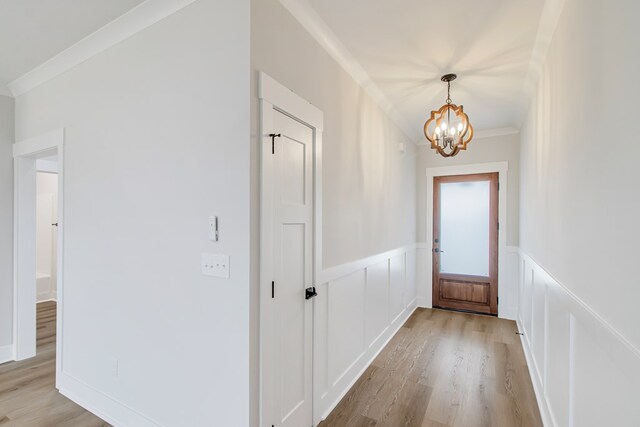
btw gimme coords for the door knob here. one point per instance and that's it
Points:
(436, 250)
(310, 292)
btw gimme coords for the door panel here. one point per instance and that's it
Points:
(465, 243)
(293, 269)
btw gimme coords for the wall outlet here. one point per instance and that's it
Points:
(215, 265)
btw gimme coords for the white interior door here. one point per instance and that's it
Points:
(290, 360)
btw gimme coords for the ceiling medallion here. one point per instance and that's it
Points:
(448, 133)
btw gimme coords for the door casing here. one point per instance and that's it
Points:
(275, 96)
(25, 154)
(505, 294)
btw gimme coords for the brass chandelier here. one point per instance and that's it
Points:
(448, 133)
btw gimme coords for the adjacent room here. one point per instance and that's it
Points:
(294, 213)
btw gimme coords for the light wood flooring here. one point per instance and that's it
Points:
(444, 369)
(28, 397)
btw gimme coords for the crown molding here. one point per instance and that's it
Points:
(551, 12)
(135, 20)
(304, 13)
(4, 90)
(492, 133)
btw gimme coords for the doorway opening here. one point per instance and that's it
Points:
(46, 254)
(465, 243)
(38, 240)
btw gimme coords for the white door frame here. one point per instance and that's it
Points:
(24, 244)
(274, 95)
(502, 168)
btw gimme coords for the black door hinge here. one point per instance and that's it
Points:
(498, 226)
(273, 289)
(273, 141)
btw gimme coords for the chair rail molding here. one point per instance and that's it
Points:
(584, 372)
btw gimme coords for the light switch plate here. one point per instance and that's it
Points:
(213, 228)
(215, 265)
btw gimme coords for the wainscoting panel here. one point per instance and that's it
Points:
(359, 307)
(376, 301)
(585, 374)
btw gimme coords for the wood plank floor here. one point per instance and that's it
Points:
(28, 397)
(444, 369)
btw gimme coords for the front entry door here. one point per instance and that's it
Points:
(465, 242)
(290, 348)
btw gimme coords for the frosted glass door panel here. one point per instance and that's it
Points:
(464, 228)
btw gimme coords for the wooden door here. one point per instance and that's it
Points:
(289, 358)
(465, 243)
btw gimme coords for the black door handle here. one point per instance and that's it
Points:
(310, 292)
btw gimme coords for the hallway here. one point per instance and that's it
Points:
(28, 397)
(444, 368)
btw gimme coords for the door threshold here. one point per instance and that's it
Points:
(461, 310)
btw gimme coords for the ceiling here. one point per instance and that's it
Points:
(34, 31)
(405, 47)
(396, 49)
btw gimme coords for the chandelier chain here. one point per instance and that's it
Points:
(448, 92)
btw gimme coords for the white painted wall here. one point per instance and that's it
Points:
(369, 186)
(6, 226)
(368, 200)
(46, 198)
(579, 216)
(579, 193)
(156, 140)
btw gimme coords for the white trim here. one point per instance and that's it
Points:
(580, 306)
(492, 133)
(112, 410)
(607, 343)
(551, 12)
(4, 90)
(274, 96)
(285, 99)
(38, 144)
(334, 273)
(404, 316)
(135, 20)
(6, 353)
(535, 379)
(502, 168)
(25, 153)
(320, 31)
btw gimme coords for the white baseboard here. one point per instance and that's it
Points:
(535, 379)
(102, 405)
(6, 353)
